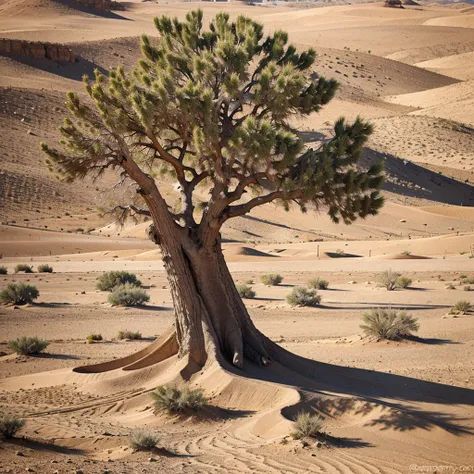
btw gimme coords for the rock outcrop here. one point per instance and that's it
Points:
(37, 50)
(101, 5)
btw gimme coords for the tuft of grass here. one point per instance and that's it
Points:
(91, 338)
(22, 267)
(128, 295)
(9, 425)
(45, 268)
(246, 291)
(308, 425)
(318, 284)
(178, 399)
(3, 270)
(271, 279)
(461, 307)
(143, 439)
(300, 296)
(450, 286)
(404, 282)
(28, 345)
(407, 253)
(388, 279)
(389, 323)
(109, 280)
(129, 335)
(18, 293)
(467, 288)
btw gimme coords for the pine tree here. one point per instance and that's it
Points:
(212, 108)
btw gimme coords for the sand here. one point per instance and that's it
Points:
(389, 407)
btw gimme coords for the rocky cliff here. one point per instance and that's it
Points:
(33, 49)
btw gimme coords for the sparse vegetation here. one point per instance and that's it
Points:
(22, 267)
(407, 253)
(318, 283)
(308, 425)
(128, 295)
(9, 425)
(177, 399)
(404, 282)
(3, 270)
(143, 439)
(45, 268)
(461, 307)
(450, 286)
(28, 345)
(109, 280)
(246, 291)
(467, 288)
(271, 279)
(129, 335)
(388, 279)
(91, 338)
(301, 296)
(19, 293)
(389, 323)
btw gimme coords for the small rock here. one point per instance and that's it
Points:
(151, 460)
(19, 453)
(318, 444)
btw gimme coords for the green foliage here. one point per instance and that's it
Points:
(271, 279)
(22, 267)
(129, 335)
(407, 253)
(9, 425)
(177, 399)
(389, 323)
(403, 282)
(45, 268)
(143, 439)
(308, 425)
(388, 279)
(461, 307)
(246, 291)
(19, 293)
(28, 345)
(3, 270)
(109, 280)
(91, 338)
(128, 295)
(300, 296)
(318, 283)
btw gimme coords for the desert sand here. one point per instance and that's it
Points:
(389, 407)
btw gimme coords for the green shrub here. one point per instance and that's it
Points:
(176, 399)
(3, 270)
(467, 288)
(142, 439)
(388, 279)
(91, 338)
(28, 345)
(300, 296)
(308, 425)
(461, 307)
(129, 335)
(318, 283)
(109, 280)
(246, 291)
(271, 279)
(128, 295)
(407, 253)
(389, 324)
(404, 282)
(45, 268)
(9, 425)
(22, 267)
(18, 293)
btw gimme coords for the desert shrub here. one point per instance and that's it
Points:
(246, 291)
(308, 425)
(404, 282)
(450, 286)
(27, 345)
(109, 280)
(407, 253)
(3, 270)
(271, 279)
(19, 293)
(129, 335)
(300, 296)
(143, 439)
(9, 425)
(389, 323)
(468, 280)
(318, 283)
(461, 307)
(467, 288)
(128, 295)
(22, 267)
(388, 279)
(45, 268)
(176, 399)
(91, 338)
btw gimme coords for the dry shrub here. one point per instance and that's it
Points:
(129, 335)
(22, 267)
(388, 279)
(109, 280)
(128, 295)
(389, 323)
(301, 296)
(271, 279)
(18, 293)
(45, 268)
(9, 425)
(308, 425)
(461, 307)
(28, 345)
(318, 283)
(246, 291)
(178, 399)
(143, 439)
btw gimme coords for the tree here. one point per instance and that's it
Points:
(212, 109)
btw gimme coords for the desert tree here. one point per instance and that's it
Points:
(211, 110)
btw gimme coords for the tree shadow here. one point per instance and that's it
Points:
(261, 298)
(50, 355)
(93, 12)
(370, 305)
(311, 136)
(432, 341)
(45, 446)
(150, 307)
